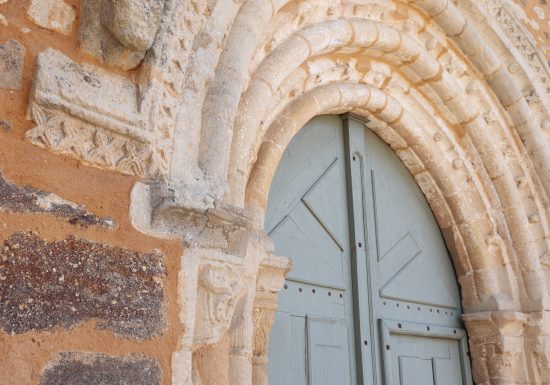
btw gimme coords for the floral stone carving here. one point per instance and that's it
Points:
(217, 296)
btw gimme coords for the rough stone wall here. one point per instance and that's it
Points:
(85, 298)
(169, 117)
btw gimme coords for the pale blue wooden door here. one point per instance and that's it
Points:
(414, 294)
(372, 297)
(312, 337)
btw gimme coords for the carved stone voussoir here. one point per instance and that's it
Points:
(86, 113)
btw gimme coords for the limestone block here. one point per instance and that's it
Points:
(52, 14)
(11, 65)
(89, 114)
(119, 32)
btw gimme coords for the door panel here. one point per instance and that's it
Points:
(290, 343)
(411, 251)
(372, 297)
(328, 351)
(415, 354)
(308, 222)
(415, 371)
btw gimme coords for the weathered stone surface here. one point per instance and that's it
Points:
(52, 14)
(119, 32)
(89, 114)
(62, 284)
(77, 368)
(17, 199)
(133, 22)
(233, 81)
(11, 64)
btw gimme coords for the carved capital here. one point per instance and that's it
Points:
(537, 345)
(219, 288)
(270, 280)
(497, 346)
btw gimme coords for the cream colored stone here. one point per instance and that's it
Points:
(52, 14)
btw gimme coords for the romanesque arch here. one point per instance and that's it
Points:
(452, 112)
(435, 105)
(455, 87)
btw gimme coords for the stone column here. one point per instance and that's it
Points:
(271, 276)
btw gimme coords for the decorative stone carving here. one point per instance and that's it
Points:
(119, 32)
(209, 289)
(496, 346)
(186, 59)
(217, 295)
(521, 39)
(271, 276)
(88, 114)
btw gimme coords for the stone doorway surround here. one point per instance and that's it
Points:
(456, 88)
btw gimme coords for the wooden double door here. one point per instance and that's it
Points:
(372, 297)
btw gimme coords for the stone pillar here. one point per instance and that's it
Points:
(208, 291)
(228, 277)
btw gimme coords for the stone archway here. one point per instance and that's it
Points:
(488, 278)
(447, 95)
(446, 134)
(456, 88)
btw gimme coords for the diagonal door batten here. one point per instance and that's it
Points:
(372, 297)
